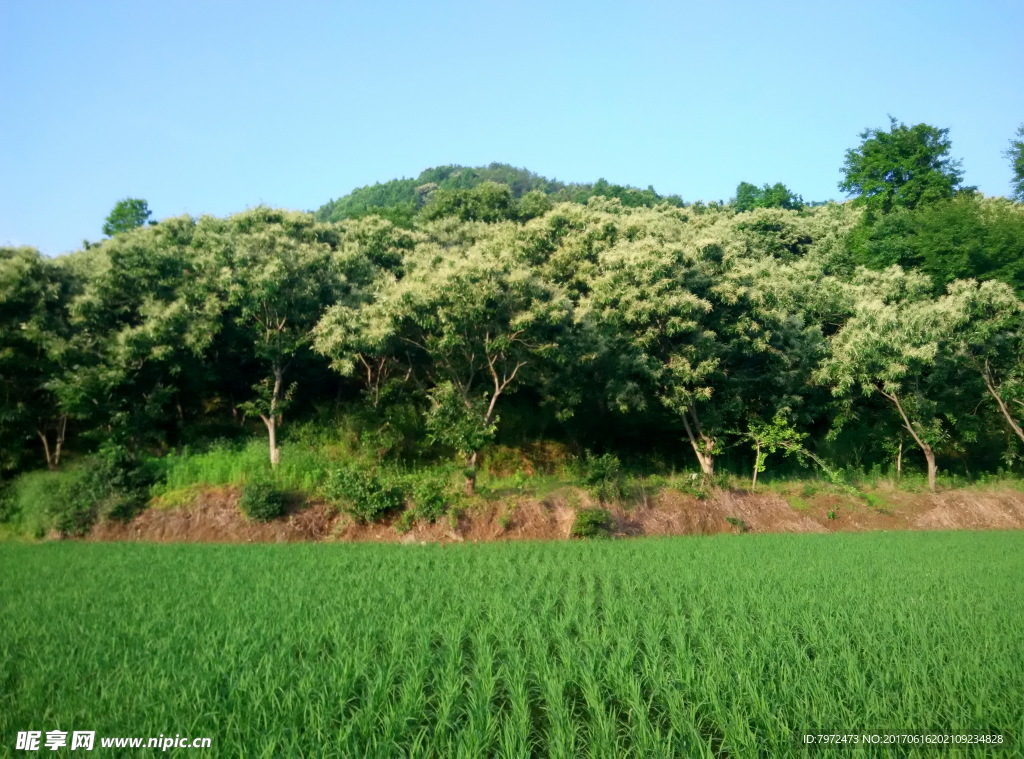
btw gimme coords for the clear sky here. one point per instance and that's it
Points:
(210, 107)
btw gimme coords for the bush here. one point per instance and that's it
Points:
(66, 501)
(600, 475)
(122, 482)
(365, 496)
(592, 523)
(261, 501)
(431, 494)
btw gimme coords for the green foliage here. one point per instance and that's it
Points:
(604, 648)
(901, 168)
(405, 522)
(748, 197)
(364, 495)
(601, 475)
(431, 493)
(451, 190)
(112, 484)
(33, 500)
(456, 424)
(128, 214)
(967, 237)
(228, 463)
(1016, 156)
(769, 437)
(592, 523)
(124, 479)
(488, 202)
(507, 316)
(738, 523)
(261, 501)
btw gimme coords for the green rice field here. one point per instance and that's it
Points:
(730, 646)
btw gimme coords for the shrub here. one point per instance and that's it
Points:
(600, 475)
(361, 494)
(431, 494)
(592, 523)
(122, 482)
(405, 522)
(261, 501)
(78, 497)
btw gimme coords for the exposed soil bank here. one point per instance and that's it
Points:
(213, 516)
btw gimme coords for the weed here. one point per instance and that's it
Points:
(693, 484)
(261, 501)
(878, 504)
(797, 503)
(592, 523)
(738, 523)
(405, 522)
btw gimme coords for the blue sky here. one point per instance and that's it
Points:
(212, 107)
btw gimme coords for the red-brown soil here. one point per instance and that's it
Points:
(213, 516)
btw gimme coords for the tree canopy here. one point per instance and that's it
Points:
(502, 310)
(128, 214)
(1016, 156)
(901, 168)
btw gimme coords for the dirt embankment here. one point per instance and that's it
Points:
(213, 516)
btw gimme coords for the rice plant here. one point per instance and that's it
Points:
(713, 646)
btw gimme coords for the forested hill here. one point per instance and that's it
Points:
(435, 191)
(855, 333)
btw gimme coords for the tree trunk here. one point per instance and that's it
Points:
(272, 419)
(470, 485)
(46, 451)
(703, 448)
(929, 454)
(757, 466)
(899, 462)
(53, 456)
(990, 384)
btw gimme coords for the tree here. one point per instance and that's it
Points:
(769, 437)
(470, 326)
(966, 237)
(34, 294)
(128, 214)
(488, 202)
(140, 325)
(749, 197)
(1016, 156)
(989, 339)
(895, 345)
(901, 168)
(279, 273)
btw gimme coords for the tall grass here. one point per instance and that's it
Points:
(301, 468)
(725, 646)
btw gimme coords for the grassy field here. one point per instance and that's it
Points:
(721, 646)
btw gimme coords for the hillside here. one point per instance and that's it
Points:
(400, 200)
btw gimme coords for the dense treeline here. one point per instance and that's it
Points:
(840, 333)
(484, 193)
